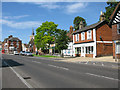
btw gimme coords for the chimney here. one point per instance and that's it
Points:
(81, 25)
(102, 16)
(71, 29)
(10, 36)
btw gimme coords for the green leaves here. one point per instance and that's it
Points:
(61, 41)
(110, 8)
(77, 21)
(44, 34)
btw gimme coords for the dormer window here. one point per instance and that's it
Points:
(83, 36)
(118, 28)
(77, 37)
(89, 36)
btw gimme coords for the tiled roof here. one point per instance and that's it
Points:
(14, 38)
(89, 27)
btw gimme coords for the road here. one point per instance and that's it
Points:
(30, 72)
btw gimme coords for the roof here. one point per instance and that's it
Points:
(114, 13)
(14, 38)
(89, 27)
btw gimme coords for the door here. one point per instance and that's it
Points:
(83, 52)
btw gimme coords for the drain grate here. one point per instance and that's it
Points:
(26, 77)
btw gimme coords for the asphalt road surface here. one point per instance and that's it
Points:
(30, 72)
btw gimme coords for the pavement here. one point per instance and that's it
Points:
(99, 61)
(45, 73)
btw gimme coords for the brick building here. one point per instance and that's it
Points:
(115, 24)
(94, 40)
(11, 44)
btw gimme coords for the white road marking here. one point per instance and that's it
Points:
(36, 62)
(103, 76)
(102, 64)
(58, 67)
(18, 75)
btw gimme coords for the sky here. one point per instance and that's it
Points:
(18, 18)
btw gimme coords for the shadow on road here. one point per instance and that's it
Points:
(11, 62)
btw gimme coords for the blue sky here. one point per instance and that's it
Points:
(18, 18)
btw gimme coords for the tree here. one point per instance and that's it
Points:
(77, 21)
(45, 34)
(110, 8)
(61, 41)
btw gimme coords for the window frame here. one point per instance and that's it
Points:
(89, 35)
(118, 28)
(77, 37)
(82, 35)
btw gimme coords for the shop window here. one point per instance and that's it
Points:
(89, 50)
(118, 48)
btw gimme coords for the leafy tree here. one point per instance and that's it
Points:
(61, 41)
(110, 8)
(77, 22)
(45, 34)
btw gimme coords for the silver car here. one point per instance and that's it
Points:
(22, 53)
(16, 53)
(28, 54)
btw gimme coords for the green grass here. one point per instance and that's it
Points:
(49, 56)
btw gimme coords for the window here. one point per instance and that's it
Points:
(77, 37)
(89, 35)
(118, 28)
(78, 50)
(83, 36)
(118, 48)
(89, 50)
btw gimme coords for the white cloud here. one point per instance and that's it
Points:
(48, 5)
(69, 8)
(15, 17)
(76, 7)
(21, 25)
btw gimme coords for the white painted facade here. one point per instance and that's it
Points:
(69, 50)
(84, 45)
(24, 48)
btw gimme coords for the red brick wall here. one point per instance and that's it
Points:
(115, 35)
(104, 49)
(81, 41)
(78, 54)
(105, 32)
(88, 55)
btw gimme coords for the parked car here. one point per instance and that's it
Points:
(28, 54)
(22, 53)
(16, 53)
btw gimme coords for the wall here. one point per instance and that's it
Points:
(104, 49)
(115, 35)
(105, 32)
